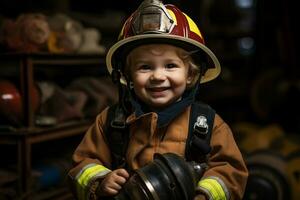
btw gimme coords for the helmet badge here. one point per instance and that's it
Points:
(152, 17)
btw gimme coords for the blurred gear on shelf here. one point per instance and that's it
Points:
(34, 28)
(11, 102)
(84, 97)
(50, 172)
(28, 33)
(100, 92)
(274, 172)
(268, 178)
(58, 103)
(252, 137)
(58, 33)
(66, 34)
(91, 42)
(273, 160)
(42, 120)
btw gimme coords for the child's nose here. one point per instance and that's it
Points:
(158, 74)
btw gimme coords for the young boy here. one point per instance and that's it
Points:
(161, 58)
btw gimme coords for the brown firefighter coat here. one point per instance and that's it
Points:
(225, 160)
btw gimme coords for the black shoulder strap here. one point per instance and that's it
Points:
(200, 129)
(117, 135)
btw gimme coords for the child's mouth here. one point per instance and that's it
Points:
(158, 89)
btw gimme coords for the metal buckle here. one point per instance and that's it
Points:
(201, 126)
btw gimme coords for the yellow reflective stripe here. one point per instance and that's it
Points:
(193, 27)
(89, 173)
(84, 178)
(172, 15)
(214, 188)
(121, 34)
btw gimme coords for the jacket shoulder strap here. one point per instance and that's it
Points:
(200, 129)
(116, 134)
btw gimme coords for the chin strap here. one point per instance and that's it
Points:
(122, 90)
(116, 130)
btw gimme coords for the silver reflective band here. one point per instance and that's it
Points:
(152, 17)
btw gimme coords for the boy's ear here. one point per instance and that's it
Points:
(189, 79)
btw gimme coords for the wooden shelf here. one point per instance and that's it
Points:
(27, 63)
(25, 66)
(41, 134)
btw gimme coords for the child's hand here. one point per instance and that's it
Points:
(113, 182)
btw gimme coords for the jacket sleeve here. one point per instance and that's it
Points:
(91, 161)
(227, 174)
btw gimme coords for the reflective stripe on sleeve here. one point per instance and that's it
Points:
(85, 177)
(214, 188)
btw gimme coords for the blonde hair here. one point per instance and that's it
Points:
(194, 69)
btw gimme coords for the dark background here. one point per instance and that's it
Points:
(256, 41)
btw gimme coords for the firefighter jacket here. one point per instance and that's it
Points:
(224, 179)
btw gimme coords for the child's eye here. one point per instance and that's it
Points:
(144, 67)
(171, 65)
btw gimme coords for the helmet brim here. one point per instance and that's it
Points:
(119, 51)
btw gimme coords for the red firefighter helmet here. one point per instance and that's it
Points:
(10, 102)
(154, 22)
(11, 105)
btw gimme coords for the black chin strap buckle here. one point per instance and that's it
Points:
(119, 121)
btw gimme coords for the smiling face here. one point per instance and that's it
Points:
(159, 74)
